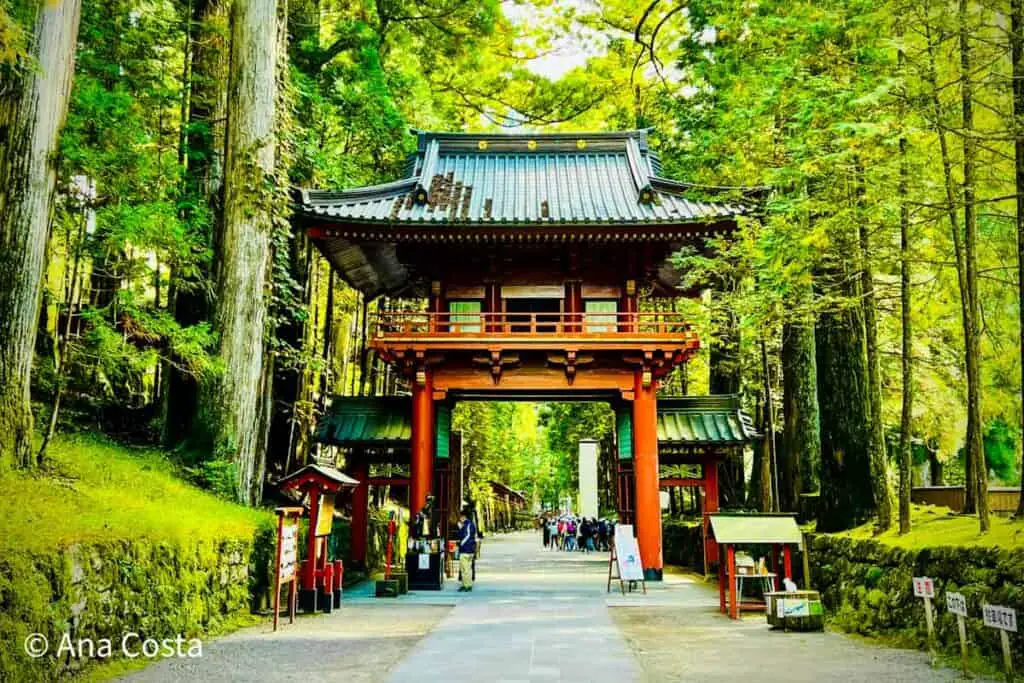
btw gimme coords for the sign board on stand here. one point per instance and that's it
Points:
(924, 587)
(287, 559)
(625, 557)
(1005, 620)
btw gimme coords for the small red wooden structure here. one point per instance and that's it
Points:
(779, 531)
(321, 579)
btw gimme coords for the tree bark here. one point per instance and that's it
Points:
(907, 330)
(204, 182)
(33, 108)
(876, 442)
(800, 435)
(725, 378)
(232, 399)
(1017, 54)
(847, 493)
(974, 447)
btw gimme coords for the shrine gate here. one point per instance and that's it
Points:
(543, 264)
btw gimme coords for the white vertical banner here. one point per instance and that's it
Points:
(588, 478)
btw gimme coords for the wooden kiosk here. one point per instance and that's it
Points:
(779, 532)
(321, 578)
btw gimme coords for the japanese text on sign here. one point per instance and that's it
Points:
(289, 551)
(956, 604)
(924, 587)
(1002, 618)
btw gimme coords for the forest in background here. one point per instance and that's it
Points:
(152, 288)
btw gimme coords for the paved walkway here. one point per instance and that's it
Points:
(538, 615)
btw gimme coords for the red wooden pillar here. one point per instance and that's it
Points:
(730, 576)
(492, 308)
(422, 464)
(360, 471)
(628, 308)
(787, 562)
(573, 306)
(645, 469)
(709, 470)
(309, 566)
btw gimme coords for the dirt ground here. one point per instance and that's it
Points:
(697, 644)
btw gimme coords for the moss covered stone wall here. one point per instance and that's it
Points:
(104, 590)
(867, 589)
(682, 544)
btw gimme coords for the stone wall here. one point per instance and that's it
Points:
(682, 544)
(867, 589)
(104, 590)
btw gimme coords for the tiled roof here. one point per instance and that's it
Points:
(685, 421)
(703, 420)
(594, 178)
(356, 421)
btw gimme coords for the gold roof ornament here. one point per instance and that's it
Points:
(481, 145)
(532, 144)
(581, 144)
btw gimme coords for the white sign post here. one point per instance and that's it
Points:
(924, 587)
(957, 604)
(1005, 620)
(625, 557)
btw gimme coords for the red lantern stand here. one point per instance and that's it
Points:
(320, 578)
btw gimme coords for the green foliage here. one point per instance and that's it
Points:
(218, 475)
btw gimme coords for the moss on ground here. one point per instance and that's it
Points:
(94, 490)
(933, 526)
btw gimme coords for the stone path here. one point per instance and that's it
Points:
(538, 615)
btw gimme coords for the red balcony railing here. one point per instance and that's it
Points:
(393, 325)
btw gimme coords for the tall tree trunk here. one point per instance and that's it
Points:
(931, 75)
(972, 329)
(33, 108)
(1017, 52)
(847, 492)
(876, 443)
(907, 330)
(210, 55)
(725, 378)
(232, 399)
(800, 436)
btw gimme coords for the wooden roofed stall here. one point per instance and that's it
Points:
(778, 531)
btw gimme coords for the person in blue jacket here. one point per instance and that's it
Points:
(467, 550)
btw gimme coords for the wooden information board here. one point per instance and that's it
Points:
(287, 565)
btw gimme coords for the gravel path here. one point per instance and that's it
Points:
(356, 644)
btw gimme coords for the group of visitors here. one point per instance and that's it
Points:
(572, 533)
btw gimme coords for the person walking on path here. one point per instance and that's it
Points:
(467, 549)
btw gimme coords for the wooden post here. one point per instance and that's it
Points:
(1004, 638)
(807, 564)
(787, 562)
(360, 471)
(721, 579)
(709, 472)
(734, 612)
(961, 626)
(422, 460)
(277, 571)
(645, 468)
(930, 622)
